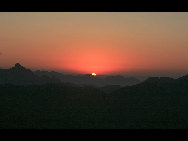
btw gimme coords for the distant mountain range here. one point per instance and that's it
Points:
(88, 79)
(20, 75)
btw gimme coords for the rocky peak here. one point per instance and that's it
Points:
(17, 65)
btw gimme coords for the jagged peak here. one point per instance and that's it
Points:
(18, 65)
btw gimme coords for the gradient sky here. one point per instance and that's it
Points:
(135, 43)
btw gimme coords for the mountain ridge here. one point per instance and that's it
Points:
(156, 103)
(19, 72)
(20, 75)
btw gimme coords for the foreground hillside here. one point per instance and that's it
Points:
(155, 103)
(51, 106)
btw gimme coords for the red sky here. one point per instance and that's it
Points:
(104, 43)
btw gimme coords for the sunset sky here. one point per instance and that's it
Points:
(135, 43)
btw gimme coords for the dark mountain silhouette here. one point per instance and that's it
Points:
(19, 75)
(156, 103)
(88, 79)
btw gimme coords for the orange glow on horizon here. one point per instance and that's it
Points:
(104, 43)
(98, 58)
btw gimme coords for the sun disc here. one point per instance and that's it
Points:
(94, 74)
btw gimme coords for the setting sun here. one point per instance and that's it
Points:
(94, 74)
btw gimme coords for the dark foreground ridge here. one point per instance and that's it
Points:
(158, 102)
